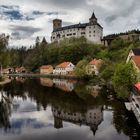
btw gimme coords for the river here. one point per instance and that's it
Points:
(53, 109)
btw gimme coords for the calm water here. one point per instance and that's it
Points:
(44, 109)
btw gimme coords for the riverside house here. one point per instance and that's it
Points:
(94, 66)
(64, 68)
(20, 70)
(46, 69)
(133, 52)
(136, 63)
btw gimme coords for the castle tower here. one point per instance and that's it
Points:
(57, 23)
(93, 19)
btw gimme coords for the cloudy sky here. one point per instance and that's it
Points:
(26, 19)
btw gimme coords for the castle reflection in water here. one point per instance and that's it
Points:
(92, 117)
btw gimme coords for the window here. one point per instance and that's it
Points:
(89, 35)
(89, 31)
(137, 105)
(82, 33)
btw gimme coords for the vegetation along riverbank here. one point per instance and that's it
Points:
(80, 52)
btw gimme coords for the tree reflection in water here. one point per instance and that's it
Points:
(5, 110)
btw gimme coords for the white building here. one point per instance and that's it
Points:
(92, 30)
(64, 68)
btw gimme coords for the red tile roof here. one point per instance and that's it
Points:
(137, 85)
(95, 62)
(45, 67)
(136, 60)
(63, 65)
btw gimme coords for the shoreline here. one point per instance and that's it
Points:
(48, 76)
(6, 81)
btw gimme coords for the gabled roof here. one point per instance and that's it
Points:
(45, 67)
(136, 51)
(136, 60)
(63, 65)
(95, 62)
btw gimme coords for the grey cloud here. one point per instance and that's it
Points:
(14, 13)
(23, 32)
(126, 12)
(68, 3)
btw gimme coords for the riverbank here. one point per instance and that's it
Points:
(48, 76)
(5, 81)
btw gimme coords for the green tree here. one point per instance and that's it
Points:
(81, 68)
(123, 79)
(117, 43)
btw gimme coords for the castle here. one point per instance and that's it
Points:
(92, 30)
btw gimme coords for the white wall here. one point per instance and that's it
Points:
(93, 33)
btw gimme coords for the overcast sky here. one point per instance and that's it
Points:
(26, 19)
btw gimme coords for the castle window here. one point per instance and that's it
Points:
(74, 33)
(82, 33)
(89, 35)
(89, 31)
(89, 27)
(94, 31)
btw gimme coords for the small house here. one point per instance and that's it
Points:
(136, 62)
(46, 69)
(20, 70)
(64, 68)
(94, 66)
(133, 52)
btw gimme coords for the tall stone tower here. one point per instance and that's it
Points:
(93, 19)
(57, 23)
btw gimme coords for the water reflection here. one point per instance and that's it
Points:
(92, 117)
(41, 109)
(65, 85)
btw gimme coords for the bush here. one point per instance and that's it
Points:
(123, 79)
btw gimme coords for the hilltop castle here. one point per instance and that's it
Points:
(92, 30)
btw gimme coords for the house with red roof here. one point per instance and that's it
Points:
(133, 52)
(20, 70)
(46, 69)
(94, 66)
(136, 62)
(64, 68)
